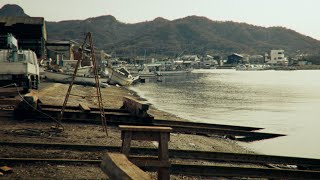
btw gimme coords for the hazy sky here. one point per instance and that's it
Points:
(300, 15)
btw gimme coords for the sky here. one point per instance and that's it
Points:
(300, 15)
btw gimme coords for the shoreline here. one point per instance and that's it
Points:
(112, 98)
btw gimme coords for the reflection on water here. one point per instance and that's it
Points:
(286, 102)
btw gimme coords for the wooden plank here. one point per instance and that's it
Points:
(10, 91)
(139, 104)
(145, 136)
(162, 122)
(145, 128)
(84, 107)
(245, 172)
(216, 131)
(135, 107)
(10, 101)
(117, 166)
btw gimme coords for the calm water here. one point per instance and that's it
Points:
(286, 102)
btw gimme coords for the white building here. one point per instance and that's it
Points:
(276, 57)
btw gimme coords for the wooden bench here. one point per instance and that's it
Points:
(149, 133)
(117, 166)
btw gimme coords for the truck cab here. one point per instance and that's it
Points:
(19, 66)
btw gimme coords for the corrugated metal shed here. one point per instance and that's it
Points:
(10, 20)
(30, 32)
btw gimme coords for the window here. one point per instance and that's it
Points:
(21, 57)
(279, 57)
(280, 53)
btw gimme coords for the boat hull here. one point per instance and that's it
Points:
(115, 77)
(66, 78)
(172, 73)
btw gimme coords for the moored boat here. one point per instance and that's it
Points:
(173, 72)
(251, 67)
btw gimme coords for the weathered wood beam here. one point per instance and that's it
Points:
(135, 107)
(84, 107)
(117, 166)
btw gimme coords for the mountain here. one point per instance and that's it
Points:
(12, 10)
(192, 34)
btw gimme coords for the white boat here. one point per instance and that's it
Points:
(251, 67)
(120, 75)
(148, 70)
(67, 77)
(173, 72)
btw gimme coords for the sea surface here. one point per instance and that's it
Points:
(285, 102)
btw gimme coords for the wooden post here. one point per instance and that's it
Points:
(126, 142)
(163, 154)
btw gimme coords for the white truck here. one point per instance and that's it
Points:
(18, 66)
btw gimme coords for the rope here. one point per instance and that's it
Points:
(12, 84)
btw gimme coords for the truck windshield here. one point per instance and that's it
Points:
(21, 57)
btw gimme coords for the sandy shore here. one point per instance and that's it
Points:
(54, 93)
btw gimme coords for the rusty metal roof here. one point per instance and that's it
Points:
(10, 20)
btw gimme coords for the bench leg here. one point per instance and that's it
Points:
(163, 154)
(163, 174)
(126, 141)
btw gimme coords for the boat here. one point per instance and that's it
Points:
(148, 70)
(251, 67)
(62, 77)
(84, 75)
(120, 75)
(173, 72)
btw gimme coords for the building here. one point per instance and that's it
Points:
(256, 59)
(60, 50)
(276, 57)
(235, 59)
(30, 32)
(189, 58)
(208, 62)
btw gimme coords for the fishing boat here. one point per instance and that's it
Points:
(149, 70)
(120, 75)
(173, 72)
(83, 77)
(251, 67)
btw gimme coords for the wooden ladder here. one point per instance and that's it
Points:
(87, 41)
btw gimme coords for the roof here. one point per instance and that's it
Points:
(11, 20)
